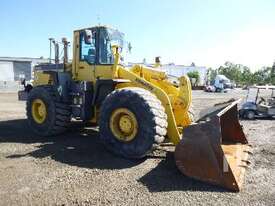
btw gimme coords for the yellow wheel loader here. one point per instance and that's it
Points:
(134, 108)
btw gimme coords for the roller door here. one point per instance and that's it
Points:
(22, 69)
(6, 71)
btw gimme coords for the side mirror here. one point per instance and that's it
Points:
(22, 79)
(23, 82)
(88, 36)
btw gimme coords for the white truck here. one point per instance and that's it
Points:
(220, 84)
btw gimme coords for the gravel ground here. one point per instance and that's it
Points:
(75, 169)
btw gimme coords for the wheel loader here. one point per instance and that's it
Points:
(135, 108)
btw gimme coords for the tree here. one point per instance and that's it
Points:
(262, 76)
(211, 74)
(194, 75)
(231, 71)
(242, 75)
(272, 75)
(246, 76)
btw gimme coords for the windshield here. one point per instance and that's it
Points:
(107, 38)
(116, 37)
(252, 94)
(263, 94)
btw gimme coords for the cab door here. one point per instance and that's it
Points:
(84, 55)
(104, 67)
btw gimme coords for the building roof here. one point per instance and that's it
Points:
(23, 59)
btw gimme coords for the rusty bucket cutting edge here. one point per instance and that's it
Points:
(215, 151)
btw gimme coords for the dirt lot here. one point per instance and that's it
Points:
(75, 169)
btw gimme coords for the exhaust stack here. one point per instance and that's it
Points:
(65, 46)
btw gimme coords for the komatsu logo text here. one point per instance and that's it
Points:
(147, 85)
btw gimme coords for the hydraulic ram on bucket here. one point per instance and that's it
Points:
(216, 150)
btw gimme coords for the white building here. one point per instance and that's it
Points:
(12, 68)
(180, 70)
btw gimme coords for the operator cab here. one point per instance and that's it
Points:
(96, 44)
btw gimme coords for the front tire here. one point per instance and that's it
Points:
(250, 115)
(46, 114)
(147, 122)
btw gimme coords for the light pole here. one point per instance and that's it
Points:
(51, 40)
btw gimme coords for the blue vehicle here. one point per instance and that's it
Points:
(257, 106)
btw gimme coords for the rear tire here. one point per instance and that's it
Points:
(58, 114)
(241, 114)
(149, 113)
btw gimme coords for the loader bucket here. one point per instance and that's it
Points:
(215, 151)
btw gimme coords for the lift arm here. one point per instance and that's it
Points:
(173, 133)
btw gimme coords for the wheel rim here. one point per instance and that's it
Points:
(123, 124)
(39, 112)
(250, 115)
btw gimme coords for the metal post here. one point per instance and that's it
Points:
(51, 40)
(65, 44)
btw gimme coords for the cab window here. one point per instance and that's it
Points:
(105, 48)
(87, 49)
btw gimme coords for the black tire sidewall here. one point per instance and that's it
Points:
(144, 139)
(44, 128)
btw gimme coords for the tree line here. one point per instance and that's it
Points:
(242, 75)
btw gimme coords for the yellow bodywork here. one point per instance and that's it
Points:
(41, 78)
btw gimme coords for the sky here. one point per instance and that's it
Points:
(206, 32)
